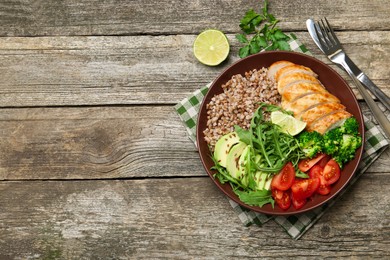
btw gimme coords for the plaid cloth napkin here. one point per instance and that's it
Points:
(295, 225)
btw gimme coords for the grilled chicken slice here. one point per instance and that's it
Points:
(276, 66)
(293, 78)
(304, 95)
(297, 90)
(294, 68)
(312, 114)
(308, 101)
(328, 122)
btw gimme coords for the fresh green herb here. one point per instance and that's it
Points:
(262, 28)
(223, 176)
(275, 147)
(255, 198)
(269, 150)
(301, 174)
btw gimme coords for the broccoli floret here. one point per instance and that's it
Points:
(348, 146)
(350, 126)
(311, 143)
(342, 142)
(332, 141)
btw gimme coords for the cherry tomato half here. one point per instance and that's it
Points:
(297, 204)
(282, 198)
(285, 178)
(331, 172)
(318, 172)
(305, 164)
(304, 188)
(324, 161)
(323, 189)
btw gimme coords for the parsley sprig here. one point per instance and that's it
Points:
(262, 28)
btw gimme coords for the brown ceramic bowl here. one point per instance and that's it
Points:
(333, 82)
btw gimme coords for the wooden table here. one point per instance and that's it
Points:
(96, 164)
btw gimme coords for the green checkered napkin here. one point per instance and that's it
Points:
(295, 225)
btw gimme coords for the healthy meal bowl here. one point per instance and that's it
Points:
(280, 132)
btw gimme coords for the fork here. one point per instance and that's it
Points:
(327, 41)
(325, 38)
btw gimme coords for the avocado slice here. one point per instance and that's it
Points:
(263, 180)
(242, 174)
(232, 163)
(242, 162)
(267, 185)
(223, 146)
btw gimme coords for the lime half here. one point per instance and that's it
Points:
(288, 123)
(211, 47)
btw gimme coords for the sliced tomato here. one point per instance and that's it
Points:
(282, 198)
(318, 172)
(297, 204)
(324, 161)
(304, 188)
(285, 178)
(305, 164)
(331, 172)
(323, 189)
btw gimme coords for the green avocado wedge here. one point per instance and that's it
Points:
(233, 158)
(223, 147)
(242, 163)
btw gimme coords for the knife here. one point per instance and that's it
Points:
(353, 70)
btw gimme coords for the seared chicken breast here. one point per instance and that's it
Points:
(314, 113)
(304, 95)
(290, 69)
(299, 77)
(326, 123)
(308, 101)
(300, 89)
(277, 66)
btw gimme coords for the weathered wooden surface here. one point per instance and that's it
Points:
(94, 161)
(120, 17)
(52, 71)
(175, 218)
(100, 142)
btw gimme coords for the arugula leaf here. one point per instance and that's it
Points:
(301, 174)
(269, 149)
(244, 135)
(275, 147)
(255, 198)
(223, 176)
(265, 34)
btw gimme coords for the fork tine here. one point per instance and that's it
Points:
(325, 32)
(330, 29)
(320, 34)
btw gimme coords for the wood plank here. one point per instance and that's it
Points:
(100, 142)
(185, 218)
(69, 71)
(115, 17)
(89, 143)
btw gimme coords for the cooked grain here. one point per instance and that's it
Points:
(237, 103)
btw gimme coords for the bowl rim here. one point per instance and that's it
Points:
(225, 188)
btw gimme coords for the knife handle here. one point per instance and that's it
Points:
(366, 81)
(376, 111)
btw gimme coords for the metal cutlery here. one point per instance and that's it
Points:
(325, 38)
